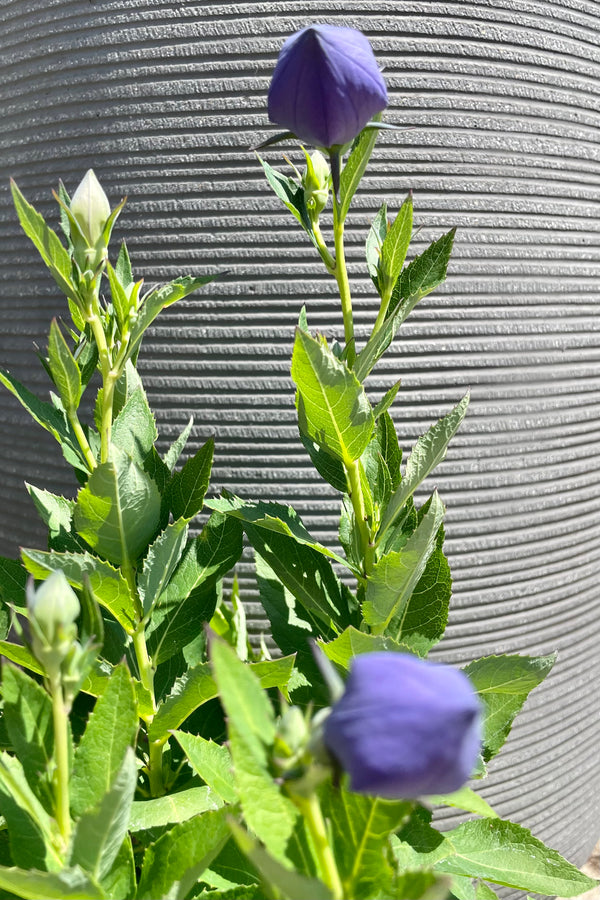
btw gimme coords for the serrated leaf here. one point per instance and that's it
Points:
(30, 828)
(429, 450)
(334, 408)
(197, 686)
(161, 297)
(175, 862)
(188, 600)
(212, 762)
(424, 273)
(463, 888)
(187, 488)
(100, 832)
(500, 852)
(176, 448)
(110, 732)
(147, 815)
(353, 642)
(69, 884)
(120, 300)
(134, 428)
(121, 881)
(22, 656)
(355, 166)
(272, 517)
(251, 731)
(118, 510)
(107, 583)
(46, 242)
(361, 827)
(123, 267)
(385, 402)
(467, 799)
(503, 684)
(293, 884)
(56, 513)
(328, 467)
(291, 195)
(64, 369)
(28, 719)
(161, 561)
(396, 575)
(395, 247)
(374, 243)
(13, 579)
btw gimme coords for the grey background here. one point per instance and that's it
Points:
(164, 100)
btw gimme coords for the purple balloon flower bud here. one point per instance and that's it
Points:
(326, 85)
(405, 727)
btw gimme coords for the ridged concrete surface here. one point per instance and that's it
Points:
(502, 102)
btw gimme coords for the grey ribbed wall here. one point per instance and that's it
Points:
(502, 97)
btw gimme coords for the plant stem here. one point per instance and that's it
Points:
(385, 302)
(60, 721)
(341, 276)
(323, 249)
(313, 817)
(108, 376)
(360, 514)
(81, 439)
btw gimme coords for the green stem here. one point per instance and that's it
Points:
(108, 376)
(341, 276)
(60, 721)
(360, 514)
(81, 439)
(322, 248)
(313, 818)
(385, 302)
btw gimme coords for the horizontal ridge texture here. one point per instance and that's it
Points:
(500, 102)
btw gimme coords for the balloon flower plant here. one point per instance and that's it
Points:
(150, 750)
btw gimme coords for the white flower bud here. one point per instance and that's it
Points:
(53, 608)
(90, 208)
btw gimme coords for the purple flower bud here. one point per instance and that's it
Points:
(405, 727)
(326, 85)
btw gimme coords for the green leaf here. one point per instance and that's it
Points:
(100, 832)
(396, 575)
(176, 448)
(353, 642)
(291, 195)
(355, 166)
(134, 429)
(110, 732)
(123, 267)
(187, 601)
(120, 300)
(332, 405)
(46, 242)
(147, 815)
(28, 719)
(21, 656)
(212, 762)
(121, 881)
(375, 239)
(426, 612)
(251, 729)
(503, 684)
(326, 602)
(467, 799)
(56, 513)
(197, 686)
(156, 300)
(174, 863)
(424, 274)
(503, 853)
(30, 828)
(293, 885)
(386, 401)
(69, 884)
(50, 418)
(118, 510)
(13, 580)
(107, 583)
(395, 246)
(64, 369)
(328, 467)
(272, 517)
(429, 450)
(161, 561)
(361, 827)
(187, 488)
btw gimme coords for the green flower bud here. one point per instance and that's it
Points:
(53, 609)
(90, 208)
(315, 182)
